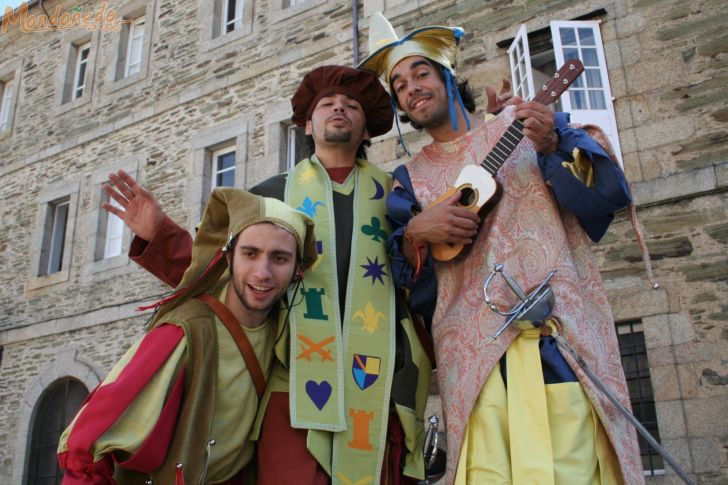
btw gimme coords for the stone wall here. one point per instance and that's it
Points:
(667, 69)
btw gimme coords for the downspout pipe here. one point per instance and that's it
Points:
(355, 30)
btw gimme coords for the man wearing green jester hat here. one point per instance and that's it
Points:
(347, 393)
(180, 406)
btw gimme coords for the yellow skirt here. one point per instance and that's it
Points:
(534, 433)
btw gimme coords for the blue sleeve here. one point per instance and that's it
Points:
(401, 207)
(593, 207)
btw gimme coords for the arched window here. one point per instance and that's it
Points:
(56, 408)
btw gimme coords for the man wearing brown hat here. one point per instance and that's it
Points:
(337, 400)
(180, 405)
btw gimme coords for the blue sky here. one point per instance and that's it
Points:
(8, 3)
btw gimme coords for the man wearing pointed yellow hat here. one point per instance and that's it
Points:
(180, 405)
(346, 398)
(517, 410)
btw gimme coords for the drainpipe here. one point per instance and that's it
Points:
(355, 30)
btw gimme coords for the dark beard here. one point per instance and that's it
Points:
(337, 137)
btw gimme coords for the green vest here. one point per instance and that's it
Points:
(189, 444)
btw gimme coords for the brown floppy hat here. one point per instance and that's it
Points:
(358, 84)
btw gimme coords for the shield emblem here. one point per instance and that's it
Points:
(365, 369)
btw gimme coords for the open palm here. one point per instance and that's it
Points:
(137, 206)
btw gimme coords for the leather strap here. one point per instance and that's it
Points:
(241, 340)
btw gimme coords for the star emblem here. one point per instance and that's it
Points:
(306, 175)
(374, 270)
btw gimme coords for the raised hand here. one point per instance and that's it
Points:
(139, 209)
(498, 101)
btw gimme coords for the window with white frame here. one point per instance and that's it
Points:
(295, 147)
(112, 230)
(232, 15)
(223, 168)
(291, 3)
(79, 77)
(6, 102)
(54, 237)
(134, 45)
(589, 99)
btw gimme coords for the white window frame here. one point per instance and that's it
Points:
(136, 35)
(43, 239)
(5, 104)
(214, 168)
(237, 21)
(291, 158)
(114, 235)
(57, 237)
(293, 3)
(604, 118)
(80, 84)
(519, 57)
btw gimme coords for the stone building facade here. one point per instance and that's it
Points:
(169, 96)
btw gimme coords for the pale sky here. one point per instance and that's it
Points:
(8, 3)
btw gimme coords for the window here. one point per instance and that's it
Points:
(232, 17)
(6, 98)
(633, 351)
(111, 232)
(291, 3)
(9, 92)
(223, 168)
(56, 408)
(534, 60)
(134, 44)
(54, 238)
(79, 77)
(296, 147)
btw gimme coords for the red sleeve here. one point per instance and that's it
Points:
(109, 401)
(167, 255)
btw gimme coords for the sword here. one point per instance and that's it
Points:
(534, 309)
(563, 344)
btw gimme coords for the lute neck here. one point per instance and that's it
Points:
(503, 148)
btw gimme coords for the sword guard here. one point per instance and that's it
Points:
(534, 308)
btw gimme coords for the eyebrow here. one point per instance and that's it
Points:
(277, 252)
(414, 65)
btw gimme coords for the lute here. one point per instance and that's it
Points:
(476, 183)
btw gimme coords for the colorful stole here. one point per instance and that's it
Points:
(341, 373)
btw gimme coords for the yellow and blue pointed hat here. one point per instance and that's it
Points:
(434, 42)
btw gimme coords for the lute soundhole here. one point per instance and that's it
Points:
(468, 196)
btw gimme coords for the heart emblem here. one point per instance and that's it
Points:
(319, 393)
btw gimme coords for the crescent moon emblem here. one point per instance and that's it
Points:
(379, 193)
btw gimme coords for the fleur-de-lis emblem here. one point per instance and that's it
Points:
(370, 317)
(309, 207)
(375, 230)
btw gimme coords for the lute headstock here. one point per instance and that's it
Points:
(560, 82)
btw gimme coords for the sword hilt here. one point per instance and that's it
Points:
(538, 302)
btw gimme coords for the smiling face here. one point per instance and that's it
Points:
(263, 265)
(337, 119)
(421, 92)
